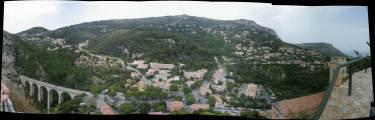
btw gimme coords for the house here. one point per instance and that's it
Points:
(174, 78)
(140, 64)
(218, 75)
(162, 84)
(141, 85)
(59, 41)
(174, 105)
(197, 107)
(161, 66)
(134, 75)
(249, 90)
(197, 75)
(204, 89)
(219, 102)
(151, 72)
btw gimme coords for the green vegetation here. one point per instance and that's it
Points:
(186, 89)
(287, 81)
(211, 101)
(178, 98)
(251, 114)
(73, 106)
(197, 84)
(56, 67)
(127, 108)
(230, 86)
(150, 93)
(180, 112)
(190, 99)
(210, 112)
(248, 102)
(156, 46)
(160, 106)
(144, 108)
(174, 87)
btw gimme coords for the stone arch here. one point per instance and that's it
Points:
(44, 96)
(27, 88)
(65, 97)
(54, 97)
(34, 91)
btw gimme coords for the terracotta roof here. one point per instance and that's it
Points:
(298, 105)
(196, 107)
(106, 110)
(251, 90)
(175, 105)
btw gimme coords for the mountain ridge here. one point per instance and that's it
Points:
(324, 48)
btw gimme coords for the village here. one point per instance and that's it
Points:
(160, 75)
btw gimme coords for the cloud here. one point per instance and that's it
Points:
(24, 14)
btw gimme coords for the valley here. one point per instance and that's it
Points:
(171, 65)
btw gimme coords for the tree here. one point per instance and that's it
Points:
(211, 101)
(180, 112)
(70, 106)
(230, 86)
(127, 108)
(250, 114)
(197, 84)
(178, 98)
(144, 108)
(173, 87)
(190, 99)
(186, 89)
(159, 106)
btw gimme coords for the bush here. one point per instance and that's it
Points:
(190, 99)
(127, 108)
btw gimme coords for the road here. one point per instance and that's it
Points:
(118, 60)
(102, 106)
(198, 97)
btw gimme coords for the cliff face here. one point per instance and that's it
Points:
(8, 57)
(17, 95)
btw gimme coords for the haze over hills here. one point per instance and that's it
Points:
(324, 48)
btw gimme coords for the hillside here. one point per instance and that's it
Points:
(35, 30)
(181, 39)
(323, 48)
(253, 53)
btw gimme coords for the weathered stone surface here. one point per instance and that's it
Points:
(342, 106)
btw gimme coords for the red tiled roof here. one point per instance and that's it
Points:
(175, 105)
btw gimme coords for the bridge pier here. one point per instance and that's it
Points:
(60, 90)
(60, 97)
(31, 89)
(72, 96)
(48, 99)
(40, 93)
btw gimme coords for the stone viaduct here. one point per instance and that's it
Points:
(26, 81)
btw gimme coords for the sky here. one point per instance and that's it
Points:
(346, 27)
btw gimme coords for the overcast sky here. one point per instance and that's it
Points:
(346, 27)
